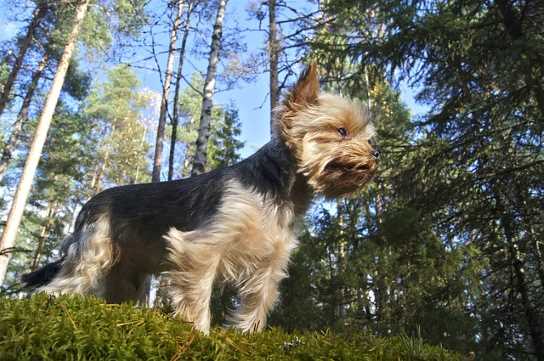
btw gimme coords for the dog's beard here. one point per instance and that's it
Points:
(339, 173)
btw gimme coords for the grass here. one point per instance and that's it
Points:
(85, 328)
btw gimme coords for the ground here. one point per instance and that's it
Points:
(84, 328)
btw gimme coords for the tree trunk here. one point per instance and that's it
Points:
(273, 49)
(201, 151)
(156, 174)
(40, 135)
(11, 142)
(51, 210)
(175, 111)
(37, 16)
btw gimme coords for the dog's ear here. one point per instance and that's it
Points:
(306, 90)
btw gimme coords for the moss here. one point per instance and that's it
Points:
(84, 328)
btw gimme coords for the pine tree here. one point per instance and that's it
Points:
(37, 16)
(11, 143)
(224, 145)
(475, 160)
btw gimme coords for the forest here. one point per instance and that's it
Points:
(445, 244)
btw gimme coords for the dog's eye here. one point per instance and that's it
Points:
(343, 132)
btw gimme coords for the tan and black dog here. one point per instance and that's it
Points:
(234, 224)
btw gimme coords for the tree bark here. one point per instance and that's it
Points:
(273, 50)
(157, 160)
(201, 152)
(175, 111)
(11, 142)
(37, 16)
(51, 211)
(40, 135)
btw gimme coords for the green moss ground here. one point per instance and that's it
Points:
(79, 328)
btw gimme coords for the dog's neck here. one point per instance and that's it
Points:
(294, 186)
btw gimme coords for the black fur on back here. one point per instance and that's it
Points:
(141, 214)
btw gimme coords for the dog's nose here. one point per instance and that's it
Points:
(376, 152)
(375, 148)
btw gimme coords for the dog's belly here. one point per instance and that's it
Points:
(142, 247)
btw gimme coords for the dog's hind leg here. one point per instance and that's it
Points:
(192, 273)
(88, 258)
(124, 284)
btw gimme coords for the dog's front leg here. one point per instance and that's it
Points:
(259, 292)
(194, 268)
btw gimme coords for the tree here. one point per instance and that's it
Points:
(224, 145)
(273, 50)
(200, 157)
(157, 161)
(37, 16)
(114, 107)
(11, 142)
(474, 166)
(175, 105)
(21, 195)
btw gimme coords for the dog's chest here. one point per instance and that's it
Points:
(254, 231)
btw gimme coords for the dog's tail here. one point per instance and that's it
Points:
(42, 276)
(45, 274)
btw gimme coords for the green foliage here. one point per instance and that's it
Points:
(115, 108)
(71, 328)
(77, 82)
(131, 16)
(468, 175)
(4, 71)
(224, 146)
(65, 162)
(95, 31)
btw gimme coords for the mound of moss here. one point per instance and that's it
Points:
(82, 328)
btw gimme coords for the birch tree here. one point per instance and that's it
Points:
(273, 53)
(19, 201)
(175, 106)
(156, 175)
(199, 161)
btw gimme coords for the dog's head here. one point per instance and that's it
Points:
(330, 137)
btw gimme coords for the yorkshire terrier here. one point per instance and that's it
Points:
(234, 224)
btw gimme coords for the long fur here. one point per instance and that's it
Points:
(235, 224)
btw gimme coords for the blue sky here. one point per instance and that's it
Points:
(251, 98)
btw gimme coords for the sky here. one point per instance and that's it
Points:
(250, 97)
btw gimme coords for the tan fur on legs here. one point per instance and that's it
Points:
(248, 243)
(87, 262)
(194, 266)
(260, 292)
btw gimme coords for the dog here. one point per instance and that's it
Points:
(234, 224)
